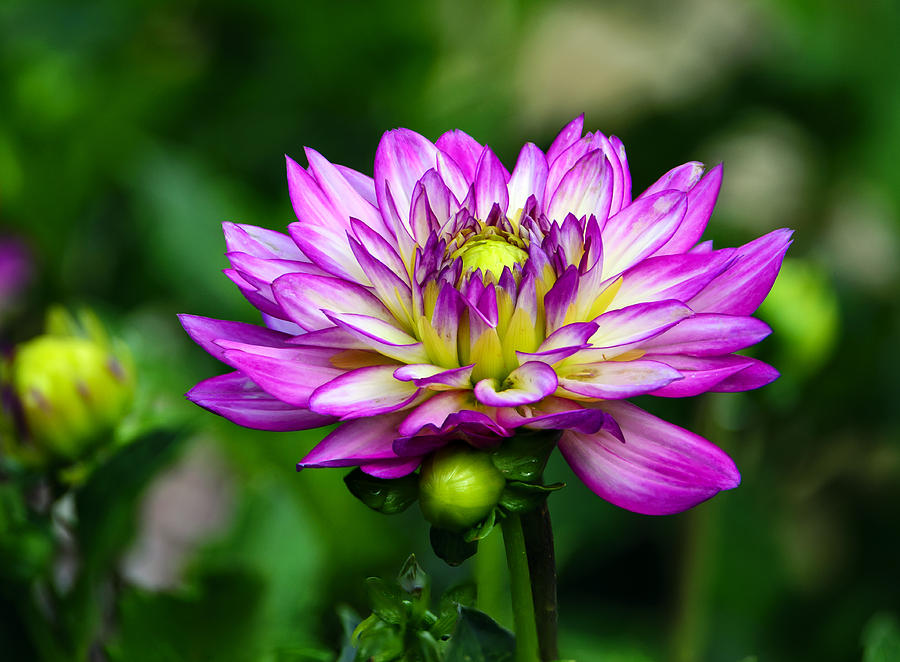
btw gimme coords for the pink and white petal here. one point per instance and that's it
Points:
(344, 198)
(390, 289)
(530, 382)
(619, 149)
(379, 248)
(702, 247)
(401, 159)
(205, 331)
(389, 469)
(434, 411)
(529, 177)
(585, 190)
(280, 325)
(456, 180)
(235, 397)
(745, 283)
(290, 375)
(260, 242)
(701, 374)
(333, 337)
(708, 334)
(363, 392)
(637, 322)
(701, 201)
(435, 377)
(327, 248)
(361, 183)
(661, 469)
(615, 380)
(463, 149)
(568, 336)
(490, 185)
(360, 441)
(381, 336)
(669, 277)
(259, 270)
(569, 134)
(303, 297)
(679, 178)
(640, 229)
(755, 375)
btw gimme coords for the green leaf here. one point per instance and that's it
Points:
(479, 639)
(386, 601)
(519, 497)
(881, 639)
(388, 496)
(524, 456)
(380, 643)
(452, 547)
(482, 529)
(462, 595)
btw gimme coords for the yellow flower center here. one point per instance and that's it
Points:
(491, 251)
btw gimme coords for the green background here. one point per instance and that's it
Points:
(130, 130)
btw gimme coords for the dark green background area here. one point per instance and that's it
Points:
(129, 130)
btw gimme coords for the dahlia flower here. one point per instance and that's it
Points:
(450, 299)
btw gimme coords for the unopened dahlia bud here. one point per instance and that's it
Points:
(458, 487)
(71, 391)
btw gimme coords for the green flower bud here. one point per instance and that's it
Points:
(458, 487)
(71, 391)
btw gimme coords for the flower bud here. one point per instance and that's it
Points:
(458, 487)
(70, 391)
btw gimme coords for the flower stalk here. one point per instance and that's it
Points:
(527, 644)
(538, 533)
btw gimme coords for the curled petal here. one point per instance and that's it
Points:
(425, 375)
(661, 468)
(530, 382)
(363, 392)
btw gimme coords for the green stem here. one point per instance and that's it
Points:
(527, 648)
(542, 565)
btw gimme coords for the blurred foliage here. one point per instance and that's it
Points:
(130, 129)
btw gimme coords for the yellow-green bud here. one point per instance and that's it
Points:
(72, 391)
(458, 487)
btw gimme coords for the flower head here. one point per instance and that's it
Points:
(450, 299)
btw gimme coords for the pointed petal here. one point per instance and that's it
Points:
(585, 190)
(290, 374)
(363, 392)
(615, 380)
(670, 277)
(490, 185)
(700, 203)
(569, 134)
(661, 468)
(679, 178)
(708, 334)
(619, 149)
(637, 322)
(401, 159)
(343, 197)
(260, 242)
(205, 331)
(238, 399)
(640, 229)
(701, 374)
(529, 177)
(381, 336)
(303, 297)
(355, 442)
(528, 383)
(463, 149)
(742, 287)
(434, 411)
